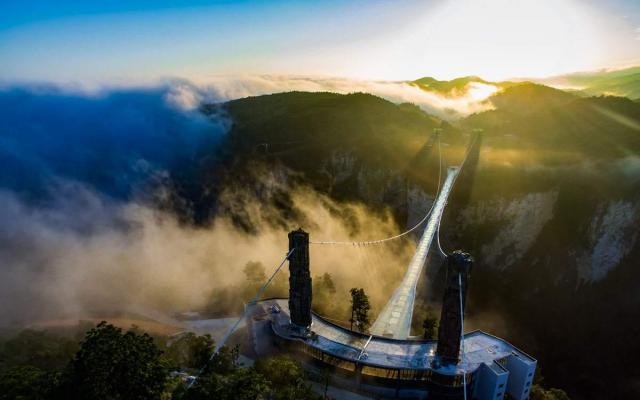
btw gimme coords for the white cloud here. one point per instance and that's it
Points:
(450, 106)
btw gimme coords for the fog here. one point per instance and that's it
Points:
(111, 141)
(86, 254)
(81, 235)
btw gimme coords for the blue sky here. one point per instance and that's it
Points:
(142, 41)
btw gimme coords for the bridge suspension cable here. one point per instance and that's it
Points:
(464, 160)
(233, 328)
(440, 250)
(380, 241)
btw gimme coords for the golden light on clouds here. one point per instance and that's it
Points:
(495, 39)
(480, 91)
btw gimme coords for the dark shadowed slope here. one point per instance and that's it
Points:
(329, 137)
(552, 219)
(314, 124)
(550, 213)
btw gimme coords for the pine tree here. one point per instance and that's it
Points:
(359, 309)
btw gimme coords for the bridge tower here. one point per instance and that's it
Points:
(450, 332)
(299, 280)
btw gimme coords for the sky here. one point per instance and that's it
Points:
(140, 41)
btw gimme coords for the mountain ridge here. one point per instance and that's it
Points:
(526, 206)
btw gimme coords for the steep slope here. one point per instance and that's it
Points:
(355, 147)
(548, 205)
(552, 215)
(289, 124)
(337, 142)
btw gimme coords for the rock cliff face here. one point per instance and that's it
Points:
(611, 237)
(418, 202)
(521, 221)
(377, 187)
(527, 230)
(556, 253)
(338, 168)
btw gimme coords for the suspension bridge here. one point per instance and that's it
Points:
(394, 320)
(387, 357)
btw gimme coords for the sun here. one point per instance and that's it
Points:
(505, 38)
(495, 39)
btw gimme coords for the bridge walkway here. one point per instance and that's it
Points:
(394, 321)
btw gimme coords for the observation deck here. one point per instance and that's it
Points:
(409, 359)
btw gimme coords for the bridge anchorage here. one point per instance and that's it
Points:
(387, 362)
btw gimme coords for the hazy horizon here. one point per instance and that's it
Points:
(132, 43)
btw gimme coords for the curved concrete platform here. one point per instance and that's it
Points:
(490, 364)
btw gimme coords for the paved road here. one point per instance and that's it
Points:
(395, 318)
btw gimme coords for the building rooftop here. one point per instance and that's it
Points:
(383, 352)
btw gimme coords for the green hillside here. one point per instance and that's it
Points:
(458, 84)
(624, 82)
(304, 129)
(526, 97)
(549, 119)
(546, 155)
(455, 85)
(334, 143)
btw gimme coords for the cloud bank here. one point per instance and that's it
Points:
(111, 141)
(80, 236)
(86, 254)
(449, 106)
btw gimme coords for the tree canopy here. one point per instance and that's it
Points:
(112, 364)
(359, 309)
(430, 324)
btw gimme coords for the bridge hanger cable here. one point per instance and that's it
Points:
(233, 328)
(464, 375)
(464, 160)
(442, 253)
(422, 221)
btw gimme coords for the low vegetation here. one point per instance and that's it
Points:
(110, 363)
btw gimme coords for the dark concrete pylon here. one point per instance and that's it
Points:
(299, 279)
(459, 266)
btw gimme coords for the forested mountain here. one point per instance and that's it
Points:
(549, 207)
(552, 214)
(353, 147)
